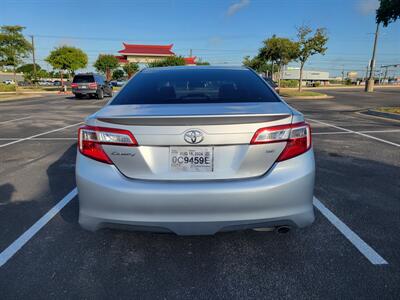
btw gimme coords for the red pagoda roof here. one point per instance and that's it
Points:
(190, 60)
(121, 59)
(147, 49)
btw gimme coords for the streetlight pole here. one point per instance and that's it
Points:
(369, 87)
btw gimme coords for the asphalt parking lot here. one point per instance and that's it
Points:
(351, 251)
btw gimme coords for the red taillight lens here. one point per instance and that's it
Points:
(74, 85)
(297, 136)
(93, 85)
(91, 139)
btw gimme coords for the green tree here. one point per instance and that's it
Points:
(118, 74)
(42, 74)
(54, 74)
(105, 64)
(259, 64)
(67, 58)
(388, 11)
(13, 47)
(201, 62)
(131, 68)
(310, 45)
(28, 71)
(169, 61)
(279, 51)
(248, 62)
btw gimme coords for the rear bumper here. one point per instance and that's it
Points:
(84, 91)
(281, 197)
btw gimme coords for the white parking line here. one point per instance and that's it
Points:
(12, 120)
(362, 246)
(350, 132)
(40, 134)
(41, 139)
(331, 132)
(27, 235)
(356, 132)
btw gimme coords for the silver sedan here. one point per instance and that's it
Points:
(195, 150)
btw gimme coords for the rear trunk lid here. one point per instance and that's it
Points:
(219, 133)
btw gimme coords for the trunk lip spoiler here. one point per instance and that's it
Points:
(157, 120)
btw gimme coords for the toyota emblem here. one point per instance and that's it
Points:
(193, 136)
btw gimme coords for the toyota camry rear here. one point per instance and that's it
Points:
(195, 150)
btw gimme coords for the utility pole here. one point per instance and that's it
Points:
(366, 75)
(343, 74)
(369, 87)
(34, 60)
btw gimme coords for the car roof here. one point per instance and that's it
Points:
(192, 68)
(85, 74)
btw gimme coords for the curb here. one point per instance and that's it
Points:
(383, 114)
(29, 92)
(310, 97)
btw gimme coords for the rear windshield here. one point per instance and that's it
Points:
(83, 79)
(196, 85)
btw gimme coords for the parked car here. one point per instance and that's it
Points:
(93, 85)
(23, 83)
(45, 83)
(195, 151)
(117, 83)
(8, 81)
(57, 83)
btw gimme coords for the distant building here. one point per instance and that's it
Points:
(190, 61)
(148, 53)
(10, 76)
(308, 76)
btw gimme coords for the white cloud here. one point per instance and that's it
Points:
(367, 7)
(234, 8)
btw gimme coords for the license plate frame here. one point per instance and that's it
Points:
(199, 159)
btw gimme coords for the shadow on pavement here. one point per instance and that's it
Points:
(6, 191)
(61, 175)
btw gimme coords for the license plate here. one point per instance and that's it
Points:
(83, 87)
(191, 159)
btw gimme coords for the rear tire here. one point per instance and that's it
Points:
(100, 94)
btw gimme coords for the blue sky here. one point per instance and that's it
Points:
(219, 31)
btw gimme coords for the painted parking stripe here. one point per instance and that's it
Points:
(363, 131)
(12, 120)
(356, 132)
(40, 134)
(41, 139)
(361, 246)
(27, 235)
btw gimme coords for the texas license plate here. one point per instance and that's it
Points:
(191, 159)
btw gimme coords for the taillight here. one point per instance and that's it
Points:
(297, 136)
(93, 85)
(91, 139)
(74, 85)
